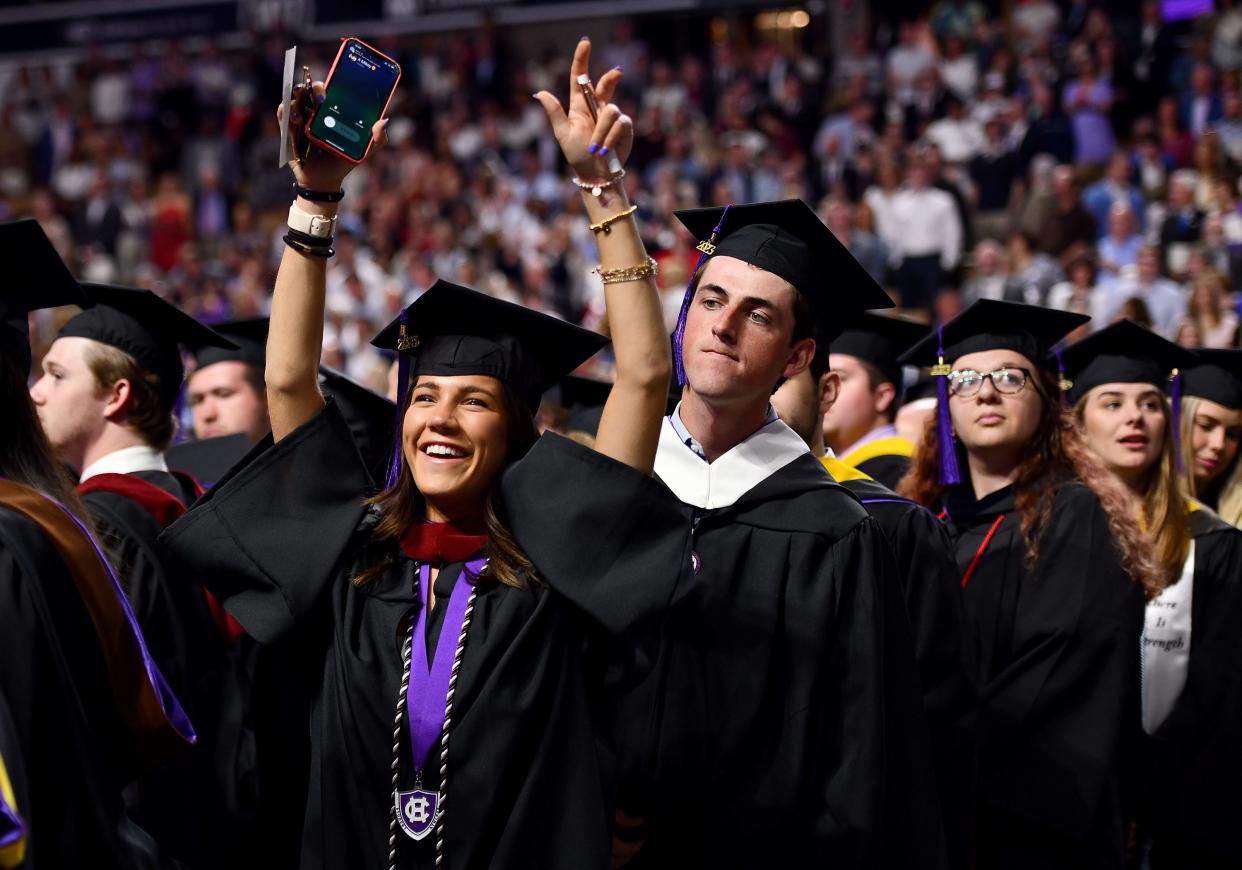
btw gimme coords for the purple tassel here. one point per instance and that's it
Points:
(1176, 403)
(950, 474)
(1063, 383)
(679, 333)
(403, 399)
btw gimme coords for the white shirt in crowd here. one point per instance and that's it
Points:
(926, 222)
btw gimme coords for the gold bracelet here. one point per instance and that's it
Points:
(648, 269)
(605, 225)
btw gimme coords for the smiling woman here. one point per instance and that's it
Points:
(424, 611)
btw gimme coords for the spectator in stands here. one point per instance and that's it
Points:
(1088, 101)
(907, 62)
(866, 247)
(1214, 319)
(1176, 143)
(97, 220)
(990, 277)
(1182, 225)
(993, 172)
(956, 134)
(1069, 230)
(1229, 126)
(927, 233)
(1078, 293)
(1162, 299)
(1115, 187)
(1119, 249)
(1201, 106)
(1034, 271)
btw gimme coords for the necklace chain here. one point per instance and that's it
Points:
(399, 721)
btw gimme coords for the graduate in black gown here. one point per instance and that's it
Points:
(929, 583)
(860, 424)
(1054, 571)
(110, 380)
(782, 725)
(1211, 415)
(453, 574)
(1192, 646)
(83, 708)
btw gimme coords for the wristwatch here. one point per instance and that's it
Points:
(314, 225)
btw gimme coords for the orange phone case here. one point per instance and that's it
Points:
(330, 148)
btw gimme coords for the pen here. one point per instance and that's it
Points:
(588, 93)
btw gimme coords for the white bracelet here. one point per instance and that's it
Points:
(314, 225)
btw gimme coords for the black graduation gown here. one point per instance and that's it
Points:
(1058, 673)
(65, 735)
(782, 724)
(887, 469)
(198, 805)
(279, 540)
(1194, 759)
(930, 584)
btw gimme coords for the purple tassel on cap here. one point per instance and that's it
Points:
(1063, 383)
(679, 333)
(949, 472)
(404, 345)
(1176, 403)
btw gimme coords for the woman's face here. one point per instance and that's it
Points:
(1215, 433)
(1125, 427)
(992, 419)
(455, 437)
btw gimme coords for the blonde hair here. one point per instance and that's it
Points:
(147, 414)
(1166, 510)
(1229, 505)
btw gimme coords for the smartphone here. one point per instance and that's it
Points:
(357, 92)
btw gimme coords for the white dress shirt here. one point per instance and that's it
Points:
(127, 460)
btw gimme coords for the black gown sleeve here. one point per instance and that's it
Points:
(610, 539)
(269, 538)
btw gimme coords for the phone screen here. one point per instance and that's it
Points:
(357, 92)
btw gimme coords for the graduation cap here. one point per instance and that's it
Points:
(37, 278)
(987, 324)
(787, 239)
(145, 327)
(250, 338)
(369, 415)
(1217, 377)
(879, 340)
(584, 399)
(452, 330)
(1126, 353)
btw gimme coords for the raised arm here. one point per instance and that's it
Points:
(295, 337)
(630, 428)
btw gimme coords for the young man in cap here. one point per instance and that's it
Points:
(859, 425)
(930, 584)
(105, 401)
(781, 725)
(225, 390)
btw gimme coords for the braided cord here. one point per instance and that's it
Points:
(399, 720)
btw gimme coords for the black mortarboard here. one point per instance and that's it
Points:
(987, 324)
(1217, 378)
(145, 327)
(249, 335)
(879, 339)
(787, 239)
(37, 278)
(452, 330)
(1123, 353)
(208, 459)
(369, 415)
(584, 399)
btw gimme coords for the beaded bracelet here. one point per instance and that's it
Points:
(605, 226)
(598, 187)
(648, 269)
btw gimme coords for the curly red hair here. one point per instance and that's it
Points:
(1057, 455)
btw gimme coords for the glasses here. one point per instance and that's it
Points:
(968, 382)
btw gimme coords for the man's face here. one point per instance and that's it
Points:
(738, 330)
(224, 402)
(71, 407)
(855, 412)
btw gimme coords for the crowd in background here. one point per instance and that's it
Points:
(1059, 155)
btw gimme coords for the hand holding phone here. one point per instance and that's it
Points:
(356, 95)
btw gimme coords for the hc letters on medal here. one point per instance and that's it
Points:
(418, 811)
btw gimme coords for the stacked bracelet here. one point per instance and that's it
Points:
(598, 187)
(318, 195)
(640, 272)
(308, 244)
(605, 226)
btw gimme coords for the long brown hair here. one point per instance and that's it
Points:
(402, 505)
(1229, 484)
(1166, 512)
(1055, 454)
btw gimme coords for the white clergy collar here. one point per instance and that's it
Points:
(719, 484)
(127, 460)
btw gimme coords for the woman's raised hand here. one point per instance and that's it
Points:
(588, 143)
(319, 169)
